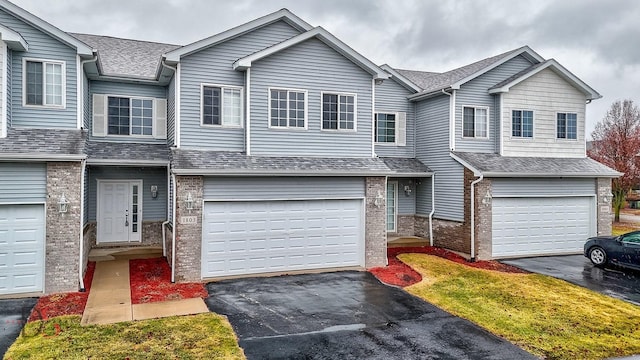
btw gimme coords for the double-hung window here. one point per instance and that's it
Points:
(338, 112)
(522, 123)
(567, 126)
(475, 122)
(44, 83)
(221, 106)
(385, 128)
(129, 116)
(287, 108)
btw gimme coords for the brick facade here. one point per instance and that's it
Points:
(63, 229)
(605, 215)
(375, 222)
(483, 220)
(188, 236)
(406, 226)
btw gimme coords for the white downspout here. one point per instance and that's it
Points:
(433, 208)
(83, 166)
(173, 230)
(451, 117)
(164, 224)
(247, 131)
(473, 220)
(373, 118)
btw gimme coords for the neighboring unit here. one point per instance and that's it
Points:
(273, 147)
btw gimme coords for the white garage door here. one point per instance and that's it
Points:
(270, 236)
(21, 248)
(538, 226)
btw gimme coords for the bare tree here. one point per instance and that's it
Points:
(616, 143)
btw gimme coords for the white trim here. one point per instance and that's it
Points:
(475, 128)
(44, 84)
(375, 126)
(79, 93)
(40, 157)
(3, 115)
(322, 35)
(355, 111)
(284, 199)
(395, 206)
(247, 132)
(566, 139)
(176, 111)
(13, 40)
(533, 126)
(130, 183)
(306, 105)
(136, 136)
(452, 118)
(23, 203)
(127, 162)
(373, 117)
(283, 14)
(543, 196)
(500, 97)
(222, 89)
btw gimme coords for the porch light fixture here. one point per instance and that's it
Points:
(487, 198)
(379, 200)
(407, 189)
(63, 204)
(607, 198)
(154, 191)
(189, 202)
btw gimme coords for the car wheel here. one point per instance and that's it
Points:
(597, 256)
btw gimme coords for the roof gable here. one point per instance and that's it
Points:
(401, 79)
(283, 14)
(553, 65)
(322, 35)
(81, 48)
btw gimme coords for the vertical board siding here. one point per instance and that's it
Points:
(125, 89)
(171, 112)
(476, 93)
(391, 97)
(542, 187)
(432, 149)
(314, 67)
(23, 182)
(41, 46)
(214, 66)
(271, 188)
(152, 209)
(406, 204)
(546, 94)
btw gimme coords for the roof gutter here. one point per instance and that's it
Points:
(423, 95)
(124, 162)
(546, 175)
(319, 173)
(40, 157)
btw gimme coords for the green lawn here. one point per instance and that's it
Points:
(547, 317)
(204, 336)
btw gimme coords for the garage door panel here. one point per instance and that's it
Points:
(536, 226)
(280, 236)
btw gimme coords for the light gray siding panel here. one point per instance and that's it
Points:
(214, 66)
(86, 121)
(542, 187)
(152, 209)
(171, 112)
(20, 182)
(314, 67)
(125, 89)
(406, 204)
(391, 97)
(231, 188)
(476, 93)
(41, 46)
(423, 197)
(432, 148)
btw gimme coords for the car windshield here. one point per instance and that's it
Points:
(631, 238)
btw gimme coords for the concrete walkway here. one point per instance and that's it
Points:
(110, 296)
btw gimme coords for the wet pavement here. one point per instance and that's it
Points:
(346, 315)
(13, 315)
(612, 281)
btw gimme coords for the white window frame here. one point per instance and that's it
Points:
(566, 126)
(395, 207)
(355, 111)
(375, 127)
(533, 125)
(306, 106)
(153, 115)
(44, 85)
(475, 128)
(222, 88)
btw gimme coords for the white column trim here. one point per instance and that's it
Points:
(5, 88)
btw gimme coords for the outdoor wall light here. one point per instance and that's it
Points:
(487, 198)
(607, 198)
(63, 204)
(154, 191)
(379, 200)
(407, 190)
(189, 202)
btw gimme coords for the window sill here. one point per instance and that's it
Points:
(221, 126)
(285, 128)
(340, 131)
(45, 107)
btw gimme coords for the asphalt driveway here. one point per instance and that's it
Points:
(346, 315)
(13, 315)
(577, 269)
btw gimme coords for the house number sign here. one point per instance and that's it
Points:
(188, 220)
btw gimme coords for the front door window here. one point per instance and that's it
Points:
(392, 189)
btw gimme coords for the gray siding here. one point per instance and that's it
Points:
(542, 187)
(423, 197)
(231, 188)
(171, 112)
(406, 204)
(314, 67)
(86, 86)
(432, 148)
(9, 89)
(475, 93)
(23, 182)
(41, 46)
(392, 97)
(125, 89)
(214, 66)
(152, 209)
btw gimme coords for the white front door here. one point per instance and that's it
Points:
(119, 211)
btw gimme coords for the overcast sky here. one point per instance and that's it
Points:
(599, 41)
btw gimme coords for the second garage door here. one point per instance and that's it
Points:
(541, 226)
(252, 237)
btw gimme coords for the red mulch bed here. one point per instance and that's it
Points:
(151, 282)
(400, 274)
(65, 303)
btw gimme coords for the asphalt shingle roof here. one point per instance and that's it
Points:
(406, 165)
(43, 141)
(99, 150)
(496, 165)
(126, 57)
